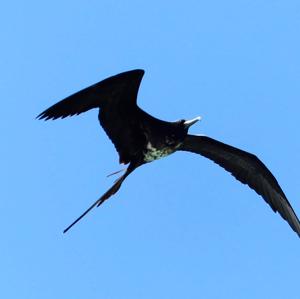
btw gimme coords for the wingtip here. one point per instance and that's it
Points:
(39, 116)
(142, 71)
(136, 72)
(44, 117)
(139, 72)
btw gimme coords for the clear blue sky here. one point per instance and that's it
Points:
(180, 227)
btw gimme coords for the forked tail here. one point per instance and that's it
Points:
(116, 186)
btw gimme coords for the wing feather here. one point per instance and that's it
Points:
(122, 87)
(248, 169)
(119, 114)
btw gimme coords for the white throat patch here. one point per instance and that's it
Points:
(153, 153)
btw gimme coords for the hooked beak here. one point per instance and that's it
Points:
(189, 123)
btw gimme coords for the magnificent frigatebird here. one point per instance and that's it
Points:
(140, 138)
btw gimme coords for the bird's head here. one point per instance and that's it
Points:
(187, 123)
(180, 129)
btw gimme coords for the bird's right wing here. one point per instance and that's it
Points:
(119, 114)
(246, 168)
(122, 87)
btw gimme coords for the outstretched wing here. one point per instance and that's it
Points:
(246, 168)
(122, 87)
(119, 114)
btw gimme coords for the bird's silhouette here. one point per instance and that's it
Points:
(141, 138)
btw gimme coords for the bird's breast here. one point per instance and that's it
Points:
(152, 153)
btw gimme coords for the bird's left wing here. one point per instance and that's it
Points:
(246, 168)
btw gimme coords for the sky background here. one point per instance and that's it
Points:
(180, 227)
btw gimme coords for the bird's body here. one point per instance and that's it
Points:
(141, 138)
(163, 139)
(153, 152)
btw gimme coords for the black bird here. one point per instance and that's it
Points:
(140, 138)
